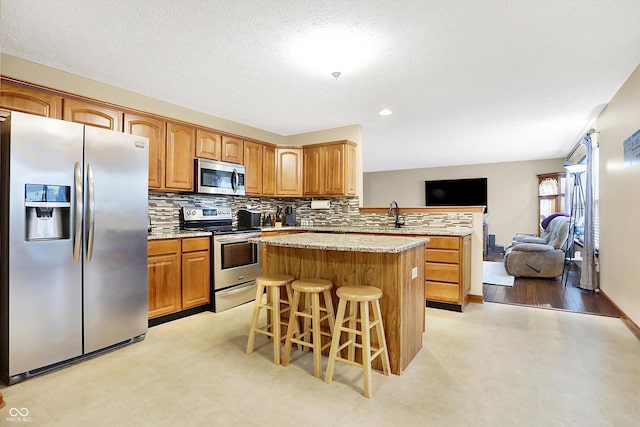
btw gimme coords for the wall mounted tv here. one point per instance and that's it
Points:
(456, 192)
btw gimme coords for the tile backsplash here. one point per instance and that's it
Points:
(164, 209)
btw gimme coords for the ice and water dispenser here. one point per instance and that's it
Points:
(47, 212)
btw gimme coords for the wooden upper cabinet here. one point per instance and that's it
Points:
(350, 169)
(339, 176)
(155, 130)
(179, 157)
(232, 150)
(26, 100)
(313, 167)
(288, 171)
(92, 114)
(208, 144)
(330, 169)
(268, 170)
(253, 168)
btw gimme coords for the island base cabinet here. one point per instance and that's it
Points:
(448, 272)
(400, 276)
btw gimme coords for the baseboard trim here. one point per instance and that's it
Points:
(633, 327)
(478, 299)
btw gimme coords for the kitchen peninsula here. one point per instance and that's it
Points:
(394, 264)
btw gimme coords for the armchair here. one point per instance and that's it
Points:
(544, 256)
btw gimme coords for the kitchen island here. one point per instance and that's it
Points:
(394, 264)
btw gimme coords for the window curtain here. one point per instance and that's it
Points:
(589, 276)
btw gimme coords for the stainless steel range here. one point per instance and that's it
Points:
(236, 262)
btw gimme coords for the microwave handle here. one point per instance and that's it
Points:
(234, 180)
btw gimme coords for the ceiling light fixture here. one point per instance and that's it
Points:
(336, 74)
(385, 112)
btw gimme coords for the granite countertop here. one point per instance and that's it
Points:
(344, 242)
(176, 234)
(413, 231)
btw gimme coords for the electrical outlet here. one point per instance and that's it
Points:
(414, 272)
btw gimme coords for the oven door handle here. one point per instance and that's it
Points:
(238, 290)
(237, 239)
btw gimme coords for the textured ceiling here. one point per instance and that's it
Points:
(469, 81)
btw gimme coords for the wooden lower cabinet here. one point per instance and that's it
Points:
(178, 275)
(164, 279)
(448, 271)
(195, 272)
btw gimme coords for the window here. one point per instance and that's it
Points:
(595, 160)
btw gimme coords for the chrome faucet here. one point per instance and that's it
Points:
(397, 209)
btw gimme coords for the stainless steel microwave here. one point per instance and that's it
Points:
(214, 177)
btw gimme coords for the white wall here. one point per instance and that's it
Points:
(512, 191)
(620, 200)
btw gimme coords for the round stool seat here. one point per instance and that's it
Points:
(275, 279)
(359, 293)
(312, 285)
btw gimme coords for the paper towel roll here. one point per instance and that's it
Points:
(320, 204)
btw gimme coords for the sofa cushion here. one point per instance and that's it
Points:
(532, 247)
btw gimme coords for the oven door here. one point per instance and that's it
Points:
(236, 260)
(219, 177)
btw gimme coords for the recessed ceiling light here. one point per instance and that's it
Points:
(385, 112)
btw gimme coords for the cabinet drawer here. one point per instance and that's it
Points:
(195, 244)
(440, 255)
(442, 272)
(442, 291)
(159, 247)
(443, 242)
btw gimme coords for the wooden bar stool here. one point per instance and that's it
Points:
(359, 297)
(272, 283)
(312, 317)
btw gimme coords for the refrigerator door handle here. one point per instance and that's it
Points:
(78, 208)
(91, 200)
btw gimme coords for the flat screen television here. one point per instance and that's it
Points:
(456, 192)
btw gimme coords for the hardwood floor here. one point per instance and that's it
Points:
(549, 293)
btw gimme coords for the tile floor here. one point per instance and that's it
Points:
(494, 365)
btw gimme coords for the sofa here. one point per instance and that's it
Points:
(544, 256)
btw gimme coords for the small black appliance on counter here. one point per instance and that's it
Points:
(248, 219)
(289, 216)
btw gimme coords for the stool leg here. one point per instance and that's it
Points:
(377, 315)
(335, 341)
(254, 319)
(315, 329)
(290, 329)
(275, 323)
(353, 312)
(366, 347)
(328, 302)
(293, 318)
(306, 322)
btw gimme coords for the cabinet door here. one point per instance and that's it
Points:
(164, 284)
(25, 100)
(268, 170)
(179, 157)
(195, 279)
(350, 169)
(289, 171)
(92, 114)
(313, 165)
(208, 144)
(231, 150)
(334, 170)
(253, 168)
(155, 130)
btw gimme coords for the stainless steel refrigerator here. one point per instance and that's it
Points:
(73, 237)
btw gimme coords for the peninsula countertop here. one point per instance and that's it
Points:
(344, 242)
(402, 231)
